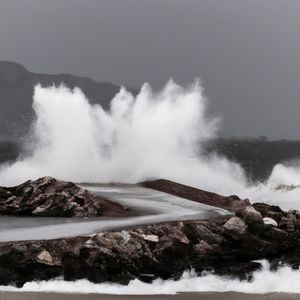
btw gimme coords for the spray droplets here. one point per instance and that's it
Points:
(150, 135)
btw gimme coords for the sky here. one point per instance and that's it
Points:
(246, 52)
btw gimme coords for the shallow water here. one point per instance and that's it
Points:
(156, 207)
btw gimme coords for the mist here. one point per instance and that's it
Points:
(148, 136)
(151, 135)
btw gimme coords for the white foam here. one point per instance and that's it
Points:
(284, 280)
(151, 135)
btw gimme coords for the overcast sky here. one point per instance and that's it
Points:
(245, 51)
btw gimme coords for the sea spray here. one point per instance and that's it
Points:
(264, 281)
(151, 135)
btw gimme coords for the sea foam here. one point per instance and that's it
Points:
(284, 280)
(147, 136)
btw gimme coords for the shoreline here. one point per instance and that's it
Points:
(183, 296)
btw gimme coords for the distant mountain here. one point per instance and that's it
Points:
(16, 91)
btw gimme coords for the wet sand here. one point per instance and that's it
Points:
(184, 296)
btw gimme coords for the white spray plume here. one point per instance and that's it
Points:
(148, 136)
(151, 135)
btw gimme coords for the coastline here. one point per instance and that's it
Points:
(181, 296)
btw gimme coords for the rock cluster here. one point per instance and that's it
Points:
(228, 245)
(225, 246)
(49, 197)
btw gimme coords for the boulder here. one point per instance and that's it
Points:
(199, 232)
(235, 227)
(203, 248)
(45, 257)
(231, 203)
(269, 211)
(48, 197)
(250, 215)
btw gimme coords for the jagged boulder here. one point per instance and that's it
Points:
(48, 197)
(250, 215)
(235, 227)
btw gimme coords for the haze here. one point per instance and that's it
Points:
(245, 52)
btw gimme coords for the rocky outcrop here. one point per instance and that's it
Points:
(228, 245)
(225, 246)
(232, 203)
(48, 197)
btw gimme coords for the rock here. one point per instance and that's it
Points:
(231, 203)
(203, 248)
(45, 257)
(270, 221)
(250, 215)
(48, 197)
(147, 252)
(277, 234)
(197, 232)
(150, 237)
(235, 226)
(270, 211)
(226, 246)
(289, 222)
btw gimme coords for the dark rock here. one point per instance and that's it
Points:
(232, 203)
(198, 232)
(225, 246)
(235, 227)
(250, 215)
(270, 211)
(50, 197)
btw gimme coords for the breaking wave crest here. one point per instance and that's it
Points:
(151, 135)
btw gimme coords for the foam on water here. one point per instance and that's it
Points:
(284, 280)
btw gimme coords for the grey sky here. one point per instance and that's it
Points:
(245, 51)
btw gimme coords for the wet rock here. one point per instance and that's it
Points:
(231, 203)
(269, 211)
(147, 252)
(241, 270)
(48, 197)
(250, 215)
(150, 237)
(270, 221)
(203, 248)
(45, 257)
(289, 222)
(235, 227)
(277, 234)
(197, 232)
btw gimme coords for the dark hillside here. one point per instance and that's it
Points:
(16, 91)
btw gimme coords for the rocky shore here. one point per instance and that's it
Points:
(226, 246)
(48, 197)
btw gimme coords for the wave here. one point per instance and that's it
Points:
(147, 136)
(284, 280)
